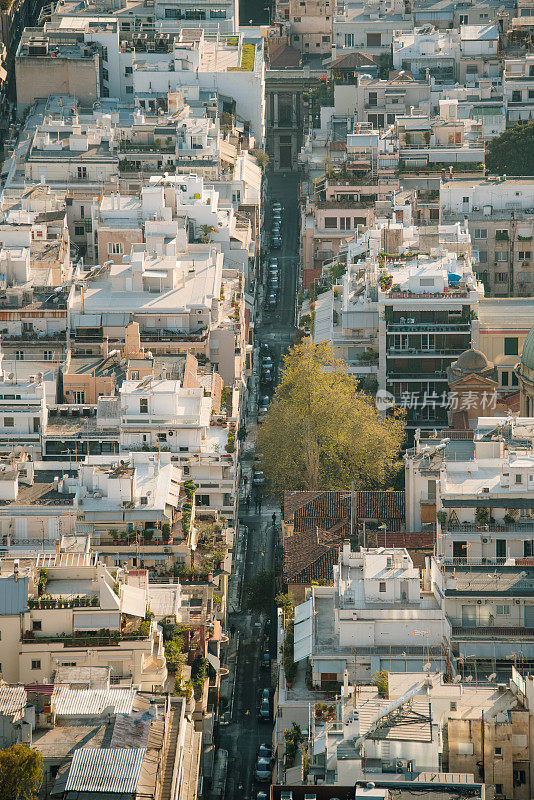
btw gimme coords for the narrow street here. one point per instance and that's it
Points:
(243, 734)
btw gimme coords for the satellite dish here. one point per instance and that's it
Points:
(457, 679)
(492, 677)
(469, 679)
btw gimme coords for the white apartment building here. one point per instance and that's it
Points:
(518, 87)
(367, 26)
(366, 621)
(499, 213)
(427, 51)
(162, 414)
(61, 622)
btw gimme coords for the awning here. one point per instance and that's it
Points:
(214, 661)
(86, 320)
(133, 601)
(330, 665)
(96, 620)
(3, 74)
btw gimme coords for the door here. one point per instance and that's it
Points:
(469, 616)
(459, 550)
(500, 549)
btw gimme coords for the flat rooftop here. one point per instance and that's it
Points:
(43, 492)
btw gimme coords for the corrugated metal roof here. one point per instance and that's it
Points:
(82, 702)
(12, 699)
(13, 595)
(96, 770)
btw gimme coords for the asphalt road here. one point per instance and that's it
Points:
(242, 737)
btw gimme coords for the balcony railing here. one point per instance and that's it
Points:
(505, 527)
(491, 631)
(90, 640)
(473, 562)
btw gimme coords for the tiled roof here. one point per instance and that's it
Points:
(382, 506)
(353, 60)
(283, 55)
(309, 556)
(12, 700)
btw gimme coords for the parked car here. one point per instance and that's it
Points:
(265, 350)
(267, 363)
(263, 770)
(277, 205)
(273, 283)
(265, 751)
(266, 377)
(273, 262)
(276, 242)
(266, 694)
(258, 478)
(271, 301)
(266, 660)
(275, 232)
(261, 796)
(277, 218)
(264, 714)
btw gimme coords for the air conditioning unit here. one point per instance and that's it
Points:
(479, 602)
(485, 540)
(485, 490)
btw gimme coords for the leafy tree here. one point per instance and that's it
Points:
(261, 157)
(512, 153)
(21, 773)
(380, 680)
(259, 592)
(321, 432)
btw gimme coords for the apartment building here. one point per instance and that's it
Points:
(163, 17)
(428, 144)
(375, 604)
(499, 214)
(427, 51)
(518, 87)
(367, 26)
(56, 607)
(379, 101)
(311, 25)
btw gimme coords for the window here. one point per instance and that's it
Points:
(79, 230)
(162, 437)
(105, 74)
(9, 422)
(374, 40)
(187, 471)
(349, 40)
(37, 625)
(36, 664)
(501, 234)
(519, 478)
(326, 38)
(373, 99)
(143, 405)
(504, 378)
(501, 256)
(36, 424)
(218, 13)
(515, 379)
(78, 397)
(501, 277)
(481, 233)
(498, 752)
(115, 248)
(463, 19)
(511, 346)
(453, 705)
(482, 257)
(82, 172)
(524, 255)
(516, 96)
(144, 500)
(465, 200)
(382, 586)
(48, 355)
(129, 90)
(202, 499)
(128, 70)
(498, 788)
(519, 777)
(135, 375)
(330, 222)
(104, 53)
(503, 611)
(19, 355)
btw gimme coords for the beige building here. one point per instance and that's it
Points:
(311, 25)
(504, 325)
(62, 610)
(74, 69)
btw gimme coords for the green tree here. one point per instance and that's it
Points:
(261, 157)
(322, 432)
(259, 592)
(21, 772)
(512, 153)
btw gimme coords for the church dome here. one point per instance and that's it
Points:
(472, 361)
(527, 354)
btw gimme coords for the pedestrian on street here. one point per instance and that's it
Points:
(256, 505)
(247, 502)
(259, 503)
(274, 518)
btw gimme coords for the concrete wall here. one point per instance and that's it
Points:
(41, 77)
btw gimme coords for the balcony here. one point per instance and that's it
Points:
(491, 631)
(113, 639)
(444, 327)
(417, 376)
(418, 351)
(165, 335)
(505, 527)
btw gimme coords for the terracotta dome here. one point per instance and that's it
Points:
(471, 361)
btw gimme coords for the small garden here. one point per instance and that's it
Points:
(248, 56)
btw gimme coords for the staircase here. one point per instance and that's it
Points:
(169, 756)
